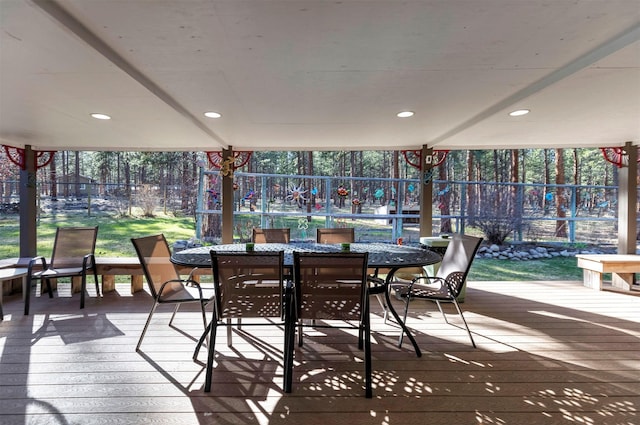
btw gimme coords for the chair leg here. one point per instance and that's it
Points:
(289, 342)
(175, 310)
(49, 288)
(204, 319)
(211, 349)
(367, 354)
(404, 318)
(146, 325)
(27, 294)
(203, 337)
(455, 302)
(95, 277)
(229, 333)
(83, 289)
(384, 307)
(442, 312)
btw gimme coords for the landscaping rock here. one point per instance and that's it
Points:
(529, 251)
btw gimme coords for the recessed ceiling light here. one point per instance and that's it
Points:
(519, 112)
(101, 116)
(405, 114)
(212, 114)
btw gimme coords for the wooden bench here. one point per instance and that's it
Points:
(107, 267)
(10, 274)
(110, 267)
(621, 266)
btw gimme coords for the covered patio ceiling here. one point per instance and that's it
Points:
(318, 75)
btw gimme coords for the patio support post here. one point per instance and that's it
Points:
(227, 199)
(426, 192)
(627, 202)
(28, 204)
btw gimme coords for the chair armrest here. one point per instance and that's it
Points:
(183, 281)
(33, 262)
(190, 276)
(452, 276)
(430, 280)
(378, 285)
(86, 259)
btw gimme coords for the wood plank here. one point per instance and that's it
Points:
(548, 352)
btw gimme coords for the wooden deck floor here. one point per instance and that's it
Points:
(548, 353)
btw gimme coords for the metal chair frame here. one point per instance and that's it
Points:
(271, 235)
(448, 282)
(330, 235)
(155, 257)
(246, 285)
(330, 286)
(72, 255)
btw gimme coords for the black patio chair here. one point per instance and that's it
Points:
(331, 290)
(448, 282)
(247, 285)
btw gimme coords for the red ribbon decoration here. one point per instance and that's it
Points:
(615, 156)
(16, 155)
(414, 158)
(215, 158)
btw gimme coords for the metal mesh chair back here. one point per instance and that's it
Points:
(71, 245)
(155, 257)
(335, 235)
(271, 235)
(330, 286)
(458, 258)
(248, 284)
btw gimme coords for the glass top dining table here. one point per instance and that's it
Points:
(382, 256)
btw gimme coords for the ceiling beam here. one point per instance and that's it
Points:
(58, 13)
(630, 36)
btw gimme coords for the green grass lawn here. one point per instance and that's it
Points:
(114, 236)
(114, 233)
(559, 268)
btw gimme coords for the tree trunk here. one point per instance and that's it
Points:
(516, 199)
(547, 181)
(65, 174)
(576, 178)
(76, 175)
(186, 181)
(513, 178)
(496, 178)
(54, 180)
(472, 209)
(561, 207)
(310, 195)
(444, 200)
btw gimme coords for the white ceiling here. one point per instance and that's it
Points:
(321, 75)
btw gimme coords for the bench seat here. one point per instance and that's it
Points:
(10, 274)
(107, 267)
(110, 267)
(621, 266)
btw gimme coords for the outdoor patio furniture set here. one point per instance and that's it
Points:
(326, 284)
